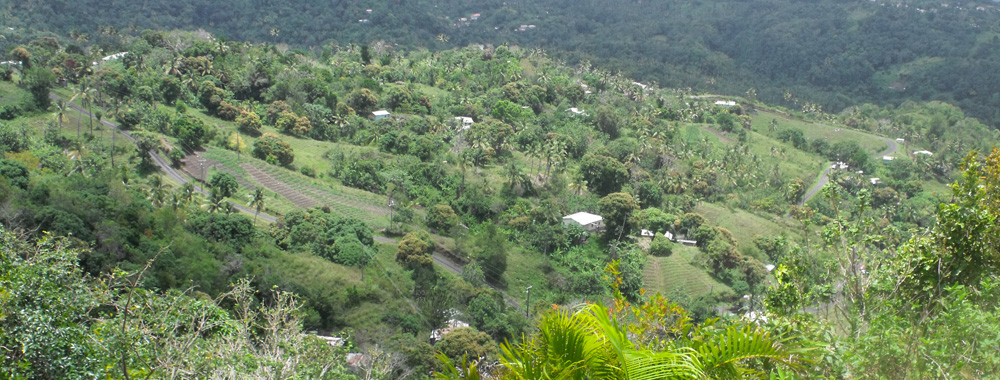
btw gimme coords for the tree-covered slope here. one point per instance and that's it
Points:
(834, 54)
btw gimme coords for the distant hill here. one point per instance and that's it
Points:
(831, 53)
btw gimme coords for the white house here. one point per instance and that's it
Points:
(888, 158)
(465, 121)
(588, 221)
(669, 235)
(475, 16)
(875, 180)
(725, 103)
(647, 233)
(900, 141)
(114, 56)
(380, 114)
(923, 152)
(576, 111)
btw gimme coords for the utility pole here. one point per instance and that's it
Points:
(527, 303)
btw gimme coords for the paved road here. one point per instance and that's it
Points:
(164, 165)
(891, 147)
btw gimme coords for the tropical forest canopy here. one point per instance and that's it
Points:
(831, 53)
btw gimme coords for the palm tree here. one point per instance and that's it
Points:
(174, 67)
(598, 343)
(216, 203)
(188, 192)
(61, 115)
(158, 190)
(256, 202)
(578, 186)
(86, 95)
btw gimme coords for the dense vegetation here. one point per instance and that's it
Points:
(832, 54)
(387, 228)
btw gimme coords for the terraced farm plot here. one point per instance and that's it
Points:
(296, 197)
(677, 273)
(744, 225)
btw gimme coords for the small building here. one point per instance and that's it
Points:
(669, 235)
(888, 158)
(647, 233)
(368, 11)
(875, 180)
(475, 16)
(380, 114)
(114, 56)
(725, 103)
(769, 267)
(690, 243)
(363, 21)
(576, 111)
(900, 141)
(923, 153)
(465, 121)
(588, 221)
(332, 340)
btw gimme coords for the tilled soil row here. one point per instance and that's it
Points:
(300, 200)
(317, 193)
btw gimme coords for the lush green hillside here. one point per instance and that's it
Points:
(387, 227)
(833, 54)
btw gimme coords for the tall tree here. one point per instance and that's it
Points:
(257, 200)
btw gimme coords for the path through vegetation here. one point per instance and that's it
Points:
(824, 178)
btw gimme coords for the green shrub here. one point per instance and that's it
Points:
(661, 246)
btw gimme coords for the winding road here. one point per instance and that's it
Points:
(164, 165)
(891, 148)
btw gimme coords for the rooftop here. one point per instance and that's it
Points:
(584, 218)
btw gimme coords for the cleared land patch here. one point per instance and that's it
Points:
(677, 273)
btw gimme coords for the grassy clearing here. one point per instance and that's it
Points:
(746, 226)
(10, 94)
(524, 270)
(677, 273)
(813, 130)
(793, 163)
